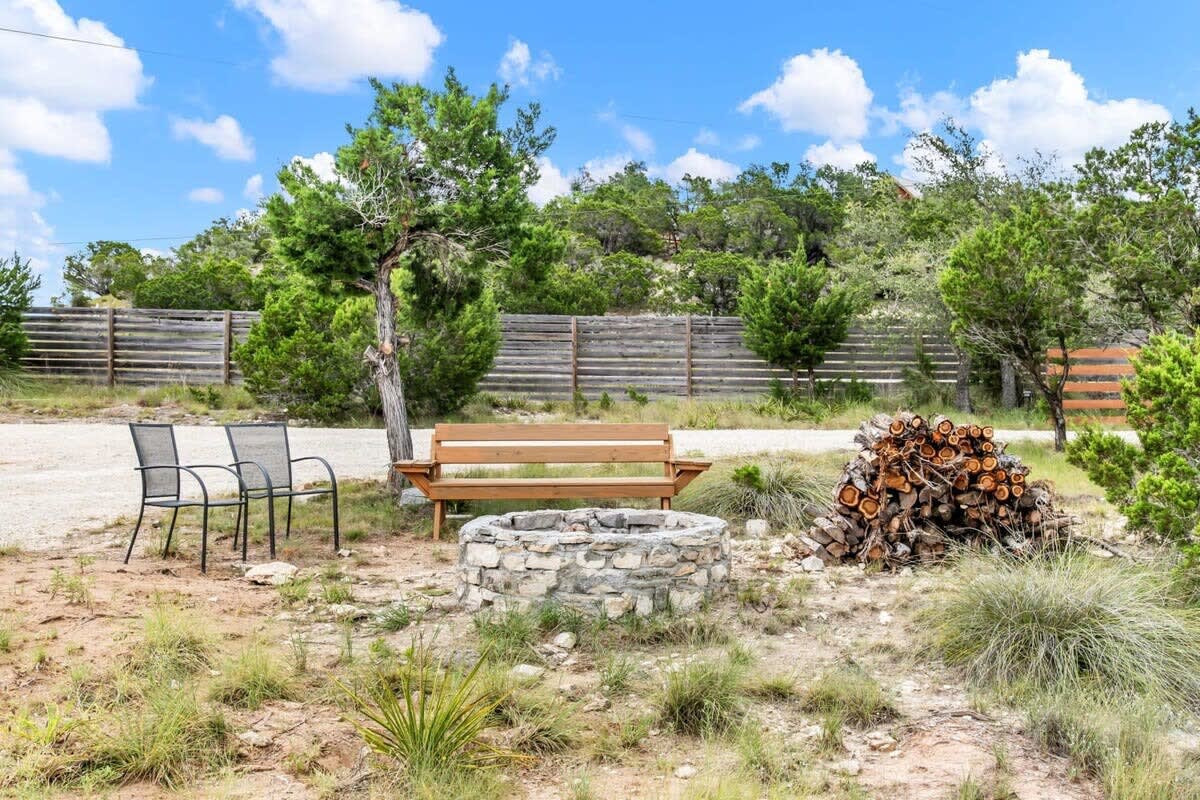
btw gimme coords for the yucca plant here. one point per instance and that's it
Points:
(430, 722)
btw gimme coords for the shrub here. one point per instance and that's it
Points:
(428, 723)
(849, 693)
(251, 678)
(173, 643)
(628, 281)
(775, 490)
(1156, 485)
(299, 355)
(1062, 622)
(211, 282)
(17, 285)
(701, 697)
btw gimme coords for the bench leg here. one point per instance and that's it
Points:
(665, 504)
(439, 516)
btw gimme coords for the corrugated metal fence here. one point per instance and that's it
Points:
(540, 356)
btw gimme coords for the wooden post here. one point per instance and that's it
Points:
(111, 361)
(688, 351)
(227, 349)
(574, 356)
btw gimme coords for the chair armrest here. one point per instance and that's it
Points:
(329, 469)
(270, 486)
(415, 467)
(177, 468)
(241, 483)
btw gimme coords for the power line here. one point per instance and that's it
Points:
(112, 46)
(116, 239)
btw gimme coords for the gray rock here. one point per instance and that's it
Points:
(537, 520)
(849, 767)
(611, 519)
(275, 573)
(812, 564)
(685, 771)
(412, 496)
(527, 673)
(565, 640)
(256, 738)
(757, 528)
(653, 519)
(345, 611)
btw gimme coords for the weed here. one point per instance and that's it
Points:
(829, 742)
(336, 592)
(251, 678)
(537, 724)
(394, 618)
(304, 760)
(40, 657)
(509, 636)
(666, 628)
(740, 654)
(852, 694)
(1061, 622)
(763, 755)
(702, 697)
(6, 637)
(779, 491)
(173, 643)
(617, 673)
(295, 591)
(429, 724)
(771, 687)
(299, 648)
(555, 618)
(637, 398)
(580, 787)
(605, 402)
(615, 738)
(77, 589)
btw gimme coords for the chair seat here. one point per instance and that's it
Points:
(259, 494)
(185, 503)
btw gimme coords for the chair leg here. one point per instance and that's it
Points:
(337, 545)
(204, 541)
(287, 531)
(136, 528)
(237, 527)
(245, 528)
(271, 522)
(439, 516)
(170, 533)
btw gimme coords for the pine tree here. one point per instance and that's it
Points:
(794, 314)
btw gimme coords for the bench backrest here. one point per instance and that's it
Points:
(559, 443)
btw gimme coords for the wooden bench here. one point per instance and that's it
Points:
(549, 444)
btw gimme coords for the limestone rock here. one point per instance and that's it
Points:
(256, 738)
(566, 640)
(757, 528)
(413, 496)
(812, 564)
(685, 771)
(527, 673)
(275, 573)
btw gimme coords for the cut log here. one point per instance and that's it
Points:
(848, 495)
(869, 507)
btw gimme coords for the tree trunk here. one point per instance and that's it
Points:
(795, 382)
(812, 384)
(386, 370)
(962, 381)
(1008, 384)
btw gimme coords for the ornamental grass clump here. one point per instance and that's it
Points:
(774, 490)
(1066, 623)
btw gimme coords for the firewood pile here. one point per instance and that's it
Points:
(919, 485)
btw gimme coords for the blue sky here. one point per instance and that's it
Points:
(106, 143)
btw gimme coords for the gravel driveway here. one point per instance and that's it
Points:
(56, 478)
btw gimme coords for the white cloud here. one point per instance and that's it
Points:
(206, 194)
(551, 183)
(327, 46)
(842, 156)
(224, 135)
(23, 229)
(518, 68)
(821, 92)
(322, 164)
(253, 189)
(602, 168)
(1046, 107)
(638, 139)
(706, 138)
(698, 165)
(747, 142)
(53, 93)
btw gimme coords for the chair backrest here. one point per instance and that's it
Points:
(267, 444)
(559, 443)
(154, 443)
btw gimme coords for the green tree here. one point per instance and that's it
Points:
(707, 283)
(794, 314)
(1156, 485)
(536, 280)
(104, 269)
(629, 282)
(17, 285)
(205, 282)
(427, 195)
(1015, 290)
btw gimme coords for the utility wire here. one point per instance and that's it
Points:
(116, 239)
(110, 45)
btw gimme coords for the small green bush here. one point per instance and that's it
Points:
(17, 285)
(173, 643)
(775, 490)
(702, 697)
(1063, 622)
(252, 678)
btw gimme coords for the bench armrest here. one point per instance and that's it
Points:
(690, 464)
(418, 467)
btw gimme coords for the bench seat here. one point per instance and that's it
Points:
(500, 445)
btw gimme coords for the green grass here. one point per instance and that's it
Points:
(616, 738)
(849, 692)
(66, 398)
(1066, 622)
(336, 592)
(771, 687)
(617, 673)
(702, 697)
(509, 636)
(253, 677)
(6, 637)
(394, 618)
(174, 642)
(1046, 463)
(662, 628)
(778, 490)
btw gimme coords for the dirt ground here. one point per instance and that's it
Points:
(940, 736)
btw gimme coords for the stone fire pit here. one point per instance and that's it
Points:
(599, 560)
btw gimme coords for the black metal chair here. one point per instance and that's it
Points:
(158, 464)
(263, 458)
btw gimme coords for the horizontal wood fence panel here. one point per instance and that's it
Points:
(541, 356)
(1091, 391)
